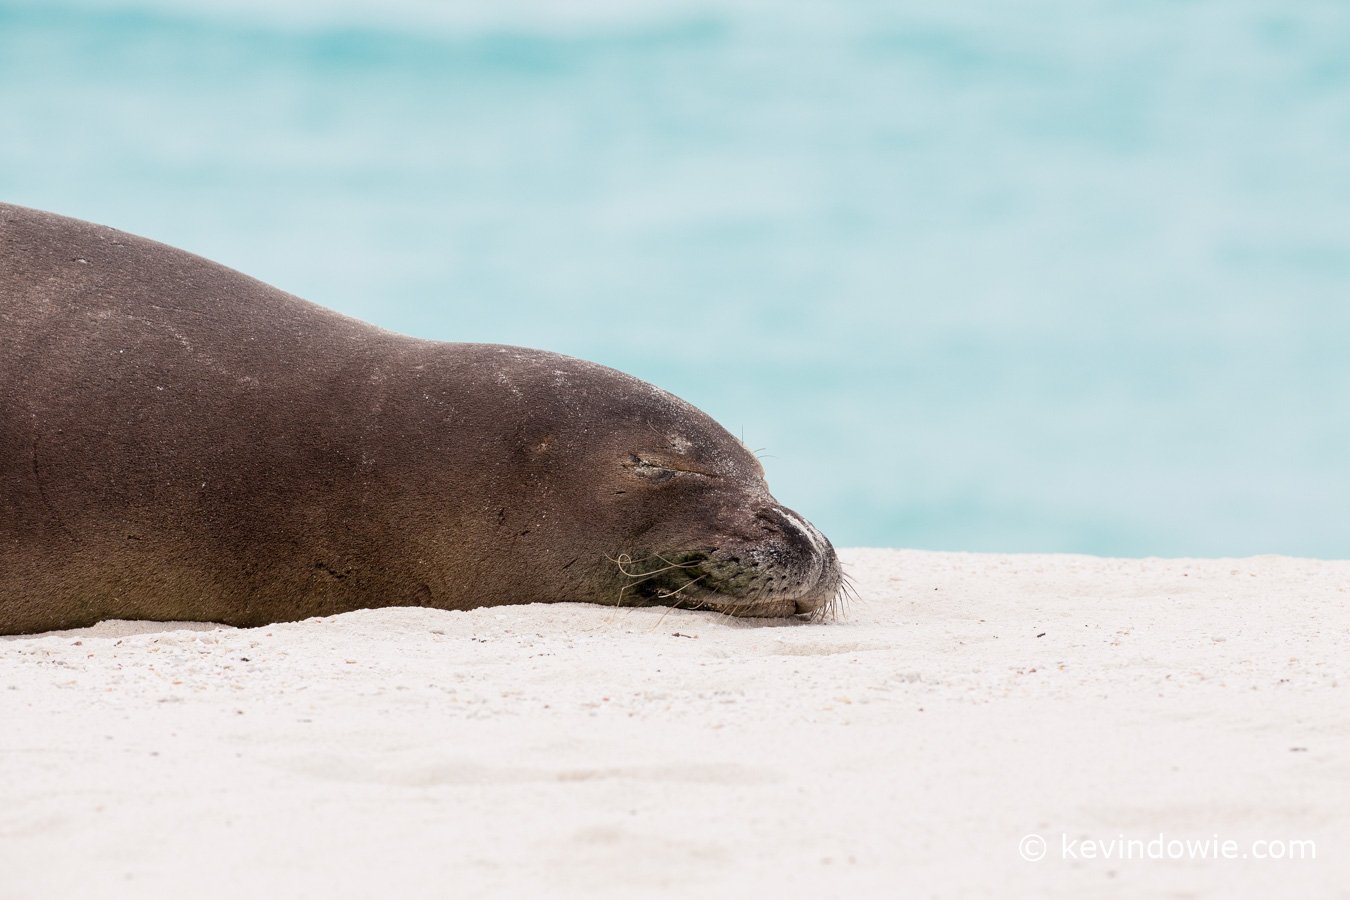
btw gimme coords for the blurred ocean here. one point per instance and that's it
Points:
(1068, 276)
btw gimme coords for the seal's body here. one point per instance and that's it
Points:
(181, 442)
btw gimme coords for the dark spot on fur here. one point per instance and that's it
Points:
(329, 571)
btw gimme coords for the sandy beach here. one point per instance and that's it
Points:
(968, 712)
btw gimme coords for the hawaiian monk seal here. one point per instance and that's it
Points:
(179, 441)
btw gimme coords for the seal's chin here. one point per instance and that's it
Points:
(751, 584)
(756, 607)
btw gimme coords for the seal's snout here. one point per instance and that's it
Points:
(803, 559)
(775, 563)
(769, 562)
(801, 536)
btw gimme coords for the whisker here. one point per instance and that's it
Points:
(674, 605)
(665, 594)
(624, 560)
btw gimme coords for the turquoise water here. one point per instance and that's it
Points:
(1041, 276)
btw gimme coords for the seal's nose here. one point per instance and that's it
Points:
(800, 534)
(809, 555)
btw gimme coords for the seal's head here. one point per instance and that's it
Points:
(724, 543)
(657, 504)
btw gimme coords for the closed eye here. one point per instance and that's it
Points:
(661, 470)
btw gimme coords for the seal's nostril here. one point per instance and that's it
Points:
(768, 522)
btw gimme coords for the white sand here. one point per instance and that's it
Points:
(968, 701)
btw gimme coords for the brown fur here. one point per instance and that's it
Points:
(180, 441)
